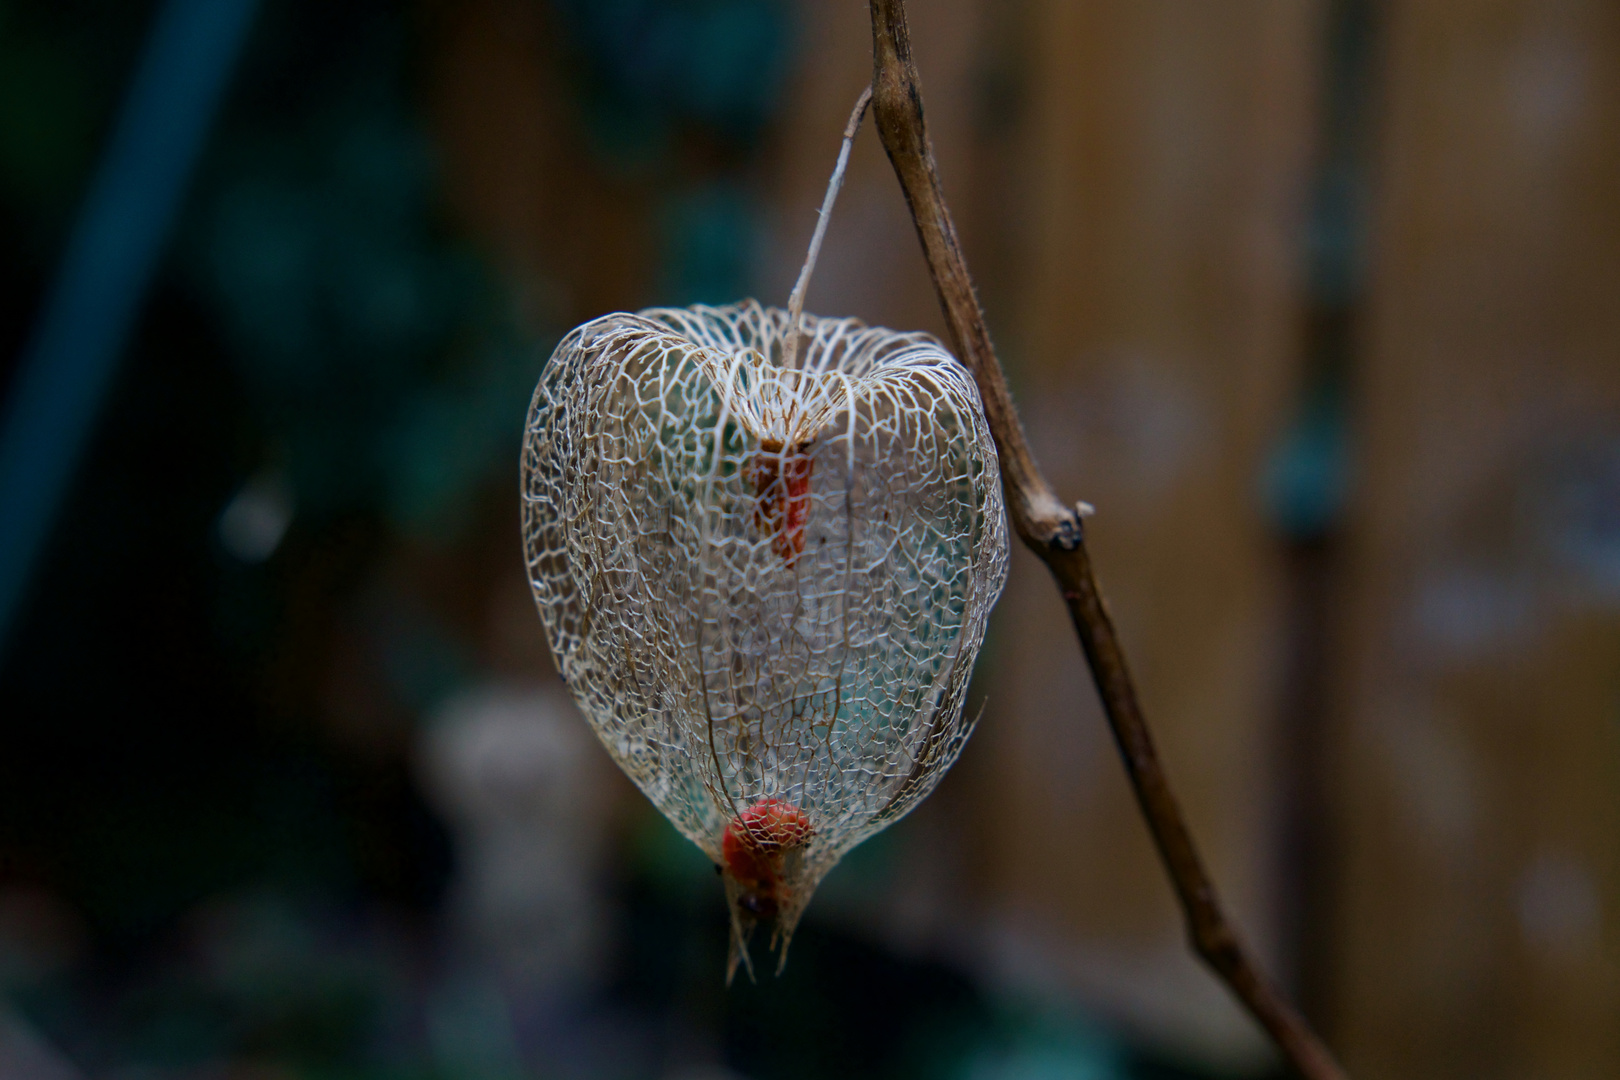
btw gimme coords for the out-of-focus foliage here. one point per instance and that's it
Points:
(652, 77)
(61, 66)
(47, 130)
(214, 856)
(382, 357)
(710, 241)
(651, 66)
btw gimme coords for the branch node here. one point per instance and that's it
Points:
(1055, 532)
(1070, 534)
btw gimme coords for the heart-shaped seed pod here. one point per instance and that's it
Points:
(765, 585)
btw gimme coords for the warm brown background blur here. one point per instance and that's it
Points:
(1318, 303)
(1134, 181)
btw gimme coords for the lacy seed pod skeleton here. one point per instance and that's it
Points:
(764, 546)
(765, 586)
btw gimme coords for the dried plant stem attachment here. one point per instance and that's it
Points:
(802, 286)
(1052, 529)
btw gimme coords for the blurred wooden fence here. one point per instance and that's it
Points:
(1478, 754)
(1132, 180)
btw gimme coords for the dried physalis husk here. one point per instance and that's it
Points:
(765, 574)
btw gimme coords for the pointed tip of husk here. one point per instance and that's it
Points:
(744, 921)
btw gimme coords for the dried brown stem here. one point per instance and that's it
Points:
(1053, 530)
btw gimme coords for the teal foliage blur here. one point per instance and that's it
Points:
(650, 67)
(383, 357)
(660, 83)
(709, 241)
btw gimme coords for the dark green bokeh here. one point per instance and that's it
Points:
(247, 889)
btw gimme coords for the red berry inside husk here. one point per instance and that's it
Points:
(782, 509)
(753, 847)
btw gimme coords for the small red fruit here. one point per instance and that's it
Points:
(782, 509)
(753, 847)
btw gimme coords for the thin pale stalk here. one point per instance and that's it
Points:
(802, 286)
(1054, 531)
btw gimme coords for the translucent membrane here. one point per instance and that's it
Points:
(765, 585)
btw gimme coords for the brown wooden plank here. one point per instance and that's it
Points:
(1154, 203)
(1480, 756)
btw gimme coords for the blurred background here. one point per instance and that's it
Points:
(1318, 302)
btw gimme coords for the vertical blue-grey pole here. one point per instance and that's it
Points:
(67, 366)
